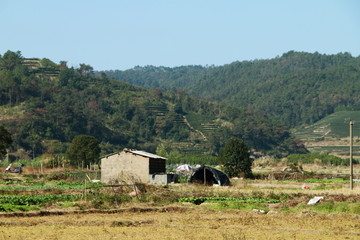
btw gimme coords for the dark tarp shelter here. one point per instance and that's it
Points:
(210, 176)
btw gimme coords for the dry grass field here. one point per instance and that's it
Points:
(158, 214)
(136, 220)
(183, 223)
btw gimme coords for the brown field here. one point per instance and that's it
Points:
(182, 223)
(157, 218)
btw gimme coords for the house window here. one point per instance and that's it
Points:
(157, 166)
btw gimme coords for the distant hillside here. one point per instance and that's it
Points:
(45, 105)
(330, 135)
(332, 127)
(296, 88)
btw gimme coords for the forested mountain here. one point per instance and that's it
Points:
(45, 105)
(296, 88)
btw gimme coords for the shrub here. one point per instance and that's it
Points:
(315, 157)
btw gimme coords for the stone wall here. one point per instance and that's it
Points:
(124, 167)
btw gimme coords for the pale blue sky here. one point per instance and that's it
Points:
(120, 34)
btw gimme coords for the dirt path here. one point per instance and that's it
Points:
(192, 128)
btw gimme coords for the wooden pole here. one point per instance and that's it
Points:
(204, 176)
(85, 191)
(351, 154)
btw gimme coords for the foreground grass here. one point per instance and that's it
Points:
(250, 209)
(333, 207)
(183, 223)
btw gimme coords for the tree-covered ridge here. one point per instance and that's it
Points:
(296, 88)
(44, 112)
(160, 77)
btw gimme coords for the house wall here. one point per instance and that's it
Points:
(124, 166)
(163, 178)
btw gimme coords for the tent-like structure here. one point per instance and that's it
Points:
(185, 168)
(210, 176)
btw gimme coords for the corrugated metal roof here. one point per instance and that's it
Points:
(109, 155)
(145, 154)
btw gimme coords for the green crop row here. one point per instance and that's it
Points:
(11, 208)
(39, 185)
(333, 180)
(30, 200)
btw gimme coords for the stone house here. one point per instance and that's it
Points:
(133, 165)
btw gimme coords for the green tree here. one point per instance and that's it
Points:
(235, 158)
(5, 140)
(10, 60)
(83, 151)
(162, 150)
(178, 108)
(86, 70)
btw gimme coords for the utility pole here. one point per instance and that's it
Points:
(351, 154)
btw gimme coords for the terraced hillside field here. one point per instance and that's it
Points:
(331, 134)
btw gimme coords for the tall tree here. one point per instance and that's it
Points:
(83, 151)
(235, 158)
